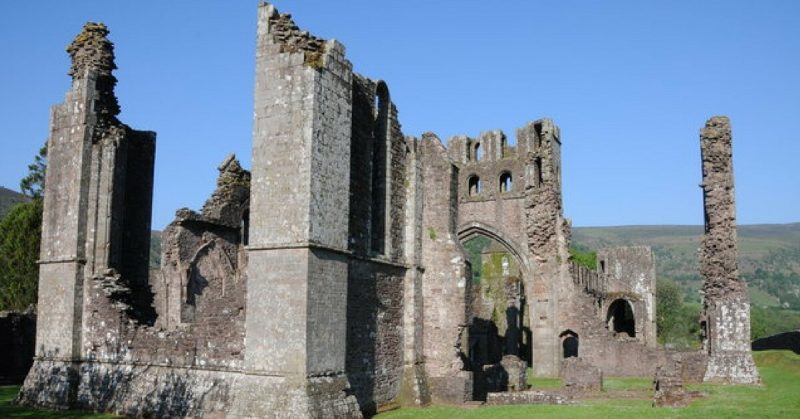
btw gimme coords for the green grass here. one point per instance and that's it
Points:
(9, 410)
(778, 397)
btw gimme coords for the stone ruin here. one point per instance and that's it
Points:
(358, 298)
(725, 302)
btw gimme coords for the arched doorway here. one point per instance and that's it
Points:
(569, 344)
(500, 323)
(620, 318)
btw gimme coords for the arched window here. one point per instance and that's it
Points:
(474, 185)
(569, 344)
(380, 133)
(620, 317)
(505, 182)
(478, 152)
(539, 177)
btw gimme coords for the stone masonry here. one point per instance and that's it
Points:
(332, 280)
(725, 301)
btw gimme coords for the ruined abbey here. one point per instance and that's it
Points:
(352, 270)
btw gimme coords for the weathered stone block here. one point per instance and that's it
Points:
(580, 376)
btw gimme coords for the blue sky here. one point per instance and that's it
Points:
(630, 83)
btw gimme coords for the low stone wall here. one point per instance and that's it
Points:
(527, 397)
(788, 340)
(17, 344)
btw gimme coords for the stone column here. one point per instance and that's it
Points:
(295, 330)
(726, 304)
(445, 282)
(414, 390)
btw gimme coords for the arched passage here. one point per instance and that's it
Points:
(620, 317)
(500, 323)
(471, 229)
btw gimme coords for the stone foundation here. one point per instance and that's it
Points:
(527, 397)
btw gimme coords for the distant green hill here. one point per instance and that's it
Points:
(8, 199)
(769, 256)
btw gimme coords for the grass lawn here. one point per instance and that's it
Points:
(623, 397)
(778, 397)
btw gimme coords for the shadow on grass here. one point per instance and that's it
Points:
(9, 410)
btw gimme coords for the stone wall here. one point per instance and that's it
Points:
(374, 362)
(445, 283)
(630, 275)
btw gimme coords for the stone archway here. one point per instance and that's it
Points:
(620, 318)
(475, 228)
(499, 318)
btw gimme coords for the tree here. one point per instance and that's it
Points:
(20, 237)
(33, 184)
(669, 301)
(20, 234)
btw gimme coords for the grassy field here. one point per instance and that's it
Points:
(778, 397)
(623, 397)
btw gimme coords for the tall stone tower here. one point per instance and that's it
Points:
(97, 200)
(726, 304)
(295, 330)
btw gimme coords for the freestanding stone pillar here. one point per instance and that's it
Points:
(726, 304)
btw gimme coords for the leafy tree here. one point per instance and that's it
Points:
(33, 184)
(20, 237)
(669, 303)
(677, 323)
(20, 234)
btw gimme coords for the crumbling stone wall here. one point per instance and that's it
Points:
(725, 301)
(445, 282)
(547, 239)
(630, 274)
(497, 205)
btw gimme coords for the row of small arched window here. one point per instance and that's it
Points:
(475, 185)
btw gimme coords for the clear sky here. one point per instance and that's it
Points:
(630, 83)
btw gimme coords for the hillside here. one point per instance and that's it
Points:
(769, 256)
(8, 199)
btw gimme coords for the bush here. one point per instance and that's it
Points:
(583, 257)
